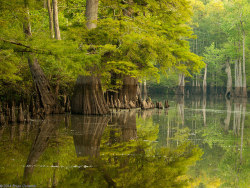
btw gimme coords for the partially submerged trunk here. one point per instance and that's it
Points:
(229, 91)
(145, 93)
(238, 76)
(43, 89)
(88, 97)
(244, 86)
(205, 81)
(46, 97)
(181, 85)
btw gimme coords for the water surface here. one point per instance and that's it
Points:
(197, 142)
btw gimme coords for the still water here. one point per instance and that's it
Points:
(195, 143)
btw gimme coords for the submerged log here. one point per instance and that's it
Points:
(88, 97)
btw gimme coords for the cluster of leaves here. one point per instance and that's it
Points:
(140, 39)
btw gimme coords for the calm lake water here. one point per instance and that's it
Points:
(195, 143)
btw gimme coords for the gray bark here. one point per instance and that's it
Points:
(205, 81)
(244, 91)
(145, 93)
(229, 91)
(50, 19)
(181, 84)
(91, 13)
(56, 21)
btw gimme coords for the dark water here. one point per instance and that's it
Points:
(195, 143)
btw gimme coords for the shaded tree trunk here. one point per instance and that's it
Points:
(181, 85)
(205, 81)
(145, 93)
(56, 21)
(244, 86)
(229, 91)
(88, 97)
(43, 89)
(50, 19)
(46, 97)
(238, 80)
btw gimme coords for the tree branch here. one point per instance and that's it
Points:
(31, 50)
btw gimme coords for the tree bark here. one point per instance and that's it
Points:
(181, 85)
(237, 91)
(26, 23)
(91, 13)
(244, 87)
(205, 81)
(88, 97)
(145, 93)
(50, 19)
(46, 97)
(229, 91)
(56, 21)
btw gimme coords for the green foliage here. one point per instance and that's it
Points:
(140, 39)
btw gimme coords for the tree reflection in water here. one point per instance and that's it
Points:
(152, 148)
(116, 156)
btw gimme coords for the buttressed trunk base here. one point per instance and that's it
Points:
(88, 97)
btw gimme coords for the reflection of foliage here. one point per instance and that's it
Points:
(137, 162)
(132, 163)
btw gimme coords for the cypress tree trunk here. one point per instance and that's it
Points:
(145, 89)
(56, 21)
(128, 92)
(91, 13)
(50, 19)
(43, 89)
(229, 91)
(88, 97)
(244, 89)
(181, 86)
(46, 97)
(205, 81)
(237, 91)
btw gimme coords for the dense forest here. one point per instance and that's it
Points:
(87, 56)
(221, 30)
